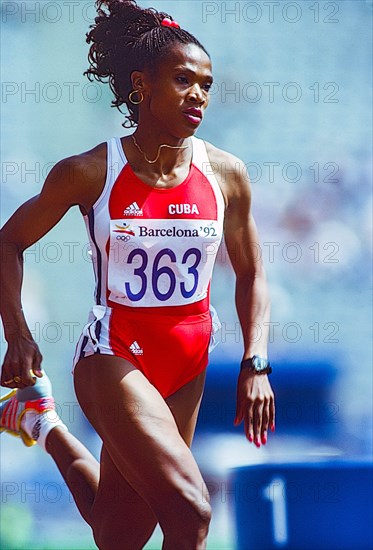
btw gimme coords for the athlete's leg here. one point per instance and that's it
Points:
(78, 467)
(121, 516)
(116, 499)
(121, 519)
(24, 410)
(30, 414)
(143, 441)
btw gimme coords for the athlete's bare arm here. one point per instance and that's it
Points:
(255, 400)
(73, 181)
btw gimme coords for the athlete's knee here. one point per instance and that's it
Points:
(189, 515)
(200, 517)
(190, 532)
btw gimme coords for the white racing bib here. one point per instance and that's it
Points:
(165, 262)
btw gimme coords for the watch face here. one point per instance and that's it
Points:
(259, 363)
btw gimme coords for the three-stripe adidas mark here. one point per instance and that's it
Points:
(133, 210)
(135, 348)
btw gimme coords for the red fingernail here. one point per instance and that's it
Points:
(264, 439)
(257, 442)
(272, 428)
(251, 438)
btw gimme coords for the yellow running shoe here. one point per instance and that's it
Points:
(15, 404)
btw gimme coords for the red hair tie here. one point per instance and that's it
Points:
(166, 22)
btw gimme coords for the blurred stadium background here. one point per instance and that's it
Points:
(292, 98)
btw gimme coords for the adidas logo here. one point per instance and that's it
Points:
(135, 348)
(133, 210)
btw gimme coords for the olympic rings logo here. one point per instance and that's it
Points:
(124, 238)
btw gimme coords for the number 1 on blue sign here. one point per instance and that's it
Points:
(275, 492)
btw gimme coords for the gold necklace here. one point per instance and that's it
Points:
(159, 149)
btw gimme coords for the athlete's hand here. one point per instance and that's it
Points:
(22, 363)
(255, 406)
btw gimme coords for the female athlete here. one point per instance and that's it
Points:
(155, 213)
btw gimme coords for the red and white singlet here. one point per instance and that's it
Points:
(153, 254)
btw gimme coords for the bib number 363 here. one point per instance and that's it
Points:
(163, 278)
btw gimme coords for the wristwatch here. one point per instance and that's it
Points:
(257, 365)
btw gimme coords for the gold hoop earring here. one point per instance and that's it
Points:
(141, 97)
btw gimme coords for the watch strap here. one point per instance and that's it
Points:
(257, 365)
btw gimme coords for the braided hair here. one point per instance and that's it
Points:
(126, 38)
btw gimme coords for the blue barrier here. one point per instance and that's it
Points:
(309, 506)
(304, 397)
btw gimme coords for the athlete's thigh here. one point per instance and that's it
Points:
(184, 405)
(119, 513)
(138, 429)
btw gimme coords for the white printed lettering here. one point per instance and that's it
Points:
(183, 209)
